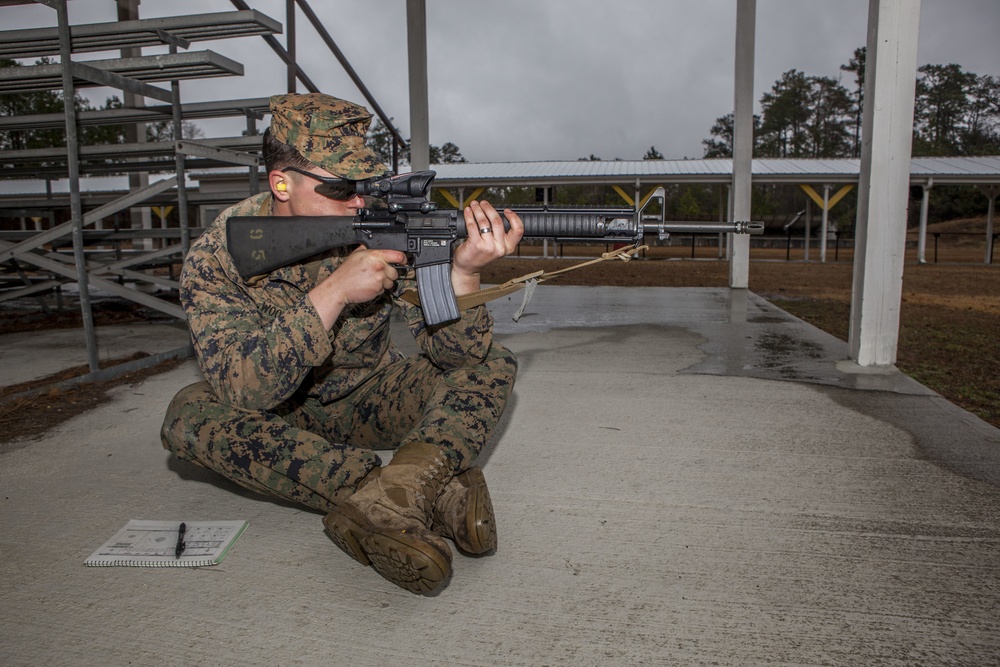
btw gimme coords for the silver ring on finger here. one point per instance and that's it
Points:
(485, 230)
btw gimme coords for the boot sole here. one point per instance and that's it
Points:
(346, 534)
(480, 523)
(401, 557)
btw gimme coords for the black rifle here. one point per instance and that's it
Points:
(412, 224)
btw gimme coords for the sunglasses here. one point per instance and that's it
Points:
(340, 189)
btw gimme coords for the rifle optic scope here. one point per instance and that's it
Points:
(414, 184)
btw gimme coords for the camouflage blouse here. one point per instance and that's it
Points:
(260, 340)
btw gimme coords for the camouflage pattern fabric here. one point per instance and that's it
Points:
(290, 409)
(327, 131)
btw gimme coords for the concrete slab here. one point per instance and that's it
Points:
(32, 355)
(673, 484)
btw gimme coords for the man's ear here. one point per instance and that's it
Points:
(280, 185)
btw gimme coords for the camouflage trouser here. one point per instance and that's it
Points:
(315, 454)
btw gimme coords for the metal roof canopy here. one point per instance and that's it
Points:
(715, 171)
(256, 106)
(166, 67)
(144, 32)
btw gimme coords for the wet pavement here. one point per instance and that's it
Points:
(683, 476)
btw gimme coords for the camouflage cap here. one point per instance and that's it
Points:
(327, 131)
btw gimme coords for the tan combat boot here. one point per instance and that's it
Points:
(464, 513)
(385, 524)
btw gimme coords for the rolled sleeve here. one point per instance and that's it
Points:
(464, 342)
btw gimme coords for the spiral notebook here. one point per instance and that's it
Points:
(154, 544)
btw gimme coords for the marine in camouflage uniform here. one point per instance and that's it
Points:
(295, 408)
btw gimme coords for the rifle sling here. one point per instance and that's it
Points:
(488, 294)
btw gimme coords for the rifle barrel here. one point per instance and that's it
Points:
(611, 225)
(681, 227)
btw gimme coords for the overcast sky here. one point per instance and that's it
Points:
(524, 80)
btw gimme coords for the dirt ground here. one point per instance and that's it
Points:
(963, 286)
(950, 316)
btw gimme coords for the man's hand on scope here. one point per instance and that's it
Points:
(487, 241)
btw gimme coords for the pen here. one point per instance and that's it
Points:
(180, 541)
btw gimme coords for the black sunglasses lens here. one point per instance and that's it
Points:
(342, 190)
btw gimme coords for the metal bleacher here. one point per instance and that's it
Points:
(151, 114)
(36, 42)
(90, 265)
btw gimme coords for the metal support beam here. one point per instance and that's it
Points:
(58, 266)
(112, 372)
(255, 107)
(723, 212)
(883, 192)
(216, 153)
(110, 208)
(739, 244)
(416, 45)
(182, 200)
(342, 59)
(824, 223)
(290, 45)
(75, 202)
(254, 170)
(925, 202)
(138, 259)
(282, 53)
(111, 151)
(35, 288)
(190, 65)
(126, 33)
(140, 217)
(129, 199)
(991, 192)
(105, 78)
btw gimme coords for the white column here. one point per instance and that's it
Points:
(739, 255)
(807, 242)
(883, 192)
(925, 204)
(991, 192)
(416, 41)
(824, 224)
